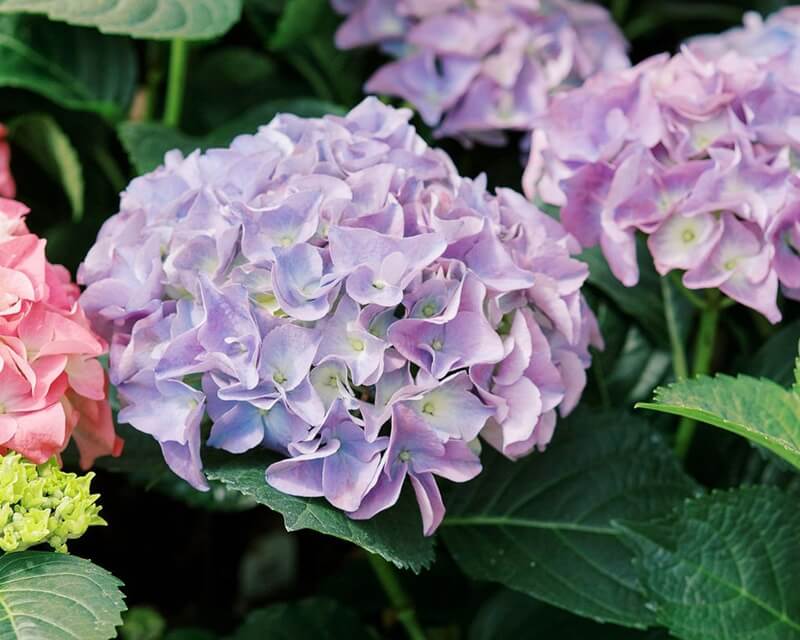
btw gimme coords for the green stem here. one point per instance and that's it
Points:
(176, 82)
(701, 365)
(403, 607)
(690, 295)
(704, 343)
(679, 363)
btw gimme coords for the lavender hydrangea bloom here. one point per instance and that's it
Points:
(698, 151)
(774, 41)
(476, 69)
(332, 290)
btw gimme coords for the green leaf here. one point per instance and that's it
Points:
(638, 368)
(318, 618)
(770, 360)
(146, 143)
(510, 614)
(760, 410)
(796, 383)
(57, 597)
(542, 525)
(724, 566)
(75, 68)
(44, 141)
(395, 534)
(142, 623)
(154, 19)
(298, 22)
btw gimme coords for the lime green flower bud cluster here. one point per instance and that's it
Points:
(41, 504)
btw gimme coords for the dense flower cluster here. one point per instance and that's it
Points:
(51, 383)
(480, 67)
(774, 42)
(332, 290)
(43, 505)
(699, 151)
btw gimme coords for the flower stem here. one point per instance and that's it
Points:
(679, 364)
(176, 82)
(403, 607)
(701, 365)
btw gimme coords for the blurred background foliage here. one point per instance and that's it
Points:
(84, 112)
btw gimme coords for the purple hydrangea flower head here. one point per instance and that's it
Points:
(698, 151)
(774, 42)
(476, 69)
(332, 290)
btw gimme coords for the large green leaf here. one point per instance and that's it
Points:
(154, 19)
(395, 534)
(41, 137)
(725, 566)
(146, 143)
(510, 614)
(317, 618)
(757, 409)
(542, 525)
(57, 597)
(76, 68)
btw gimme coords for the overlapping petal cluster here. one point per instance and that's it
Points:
(332, 290)
(699, 151)
(478, 67)
(52, 387)
(774, 42)
(43, 505)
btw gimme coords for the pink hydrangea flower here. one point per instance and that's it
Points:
(476, 69)
(52, 386)
(698, 151)
(331, 289)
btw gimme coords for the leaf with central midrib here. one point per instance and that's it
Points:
(758, 409)
(395, 534)
(75, 68)
(724, 566)
(57, 597)
(154, 19)
(542, 525)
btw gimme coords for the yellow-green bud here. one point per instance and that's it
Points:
(41, 504)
